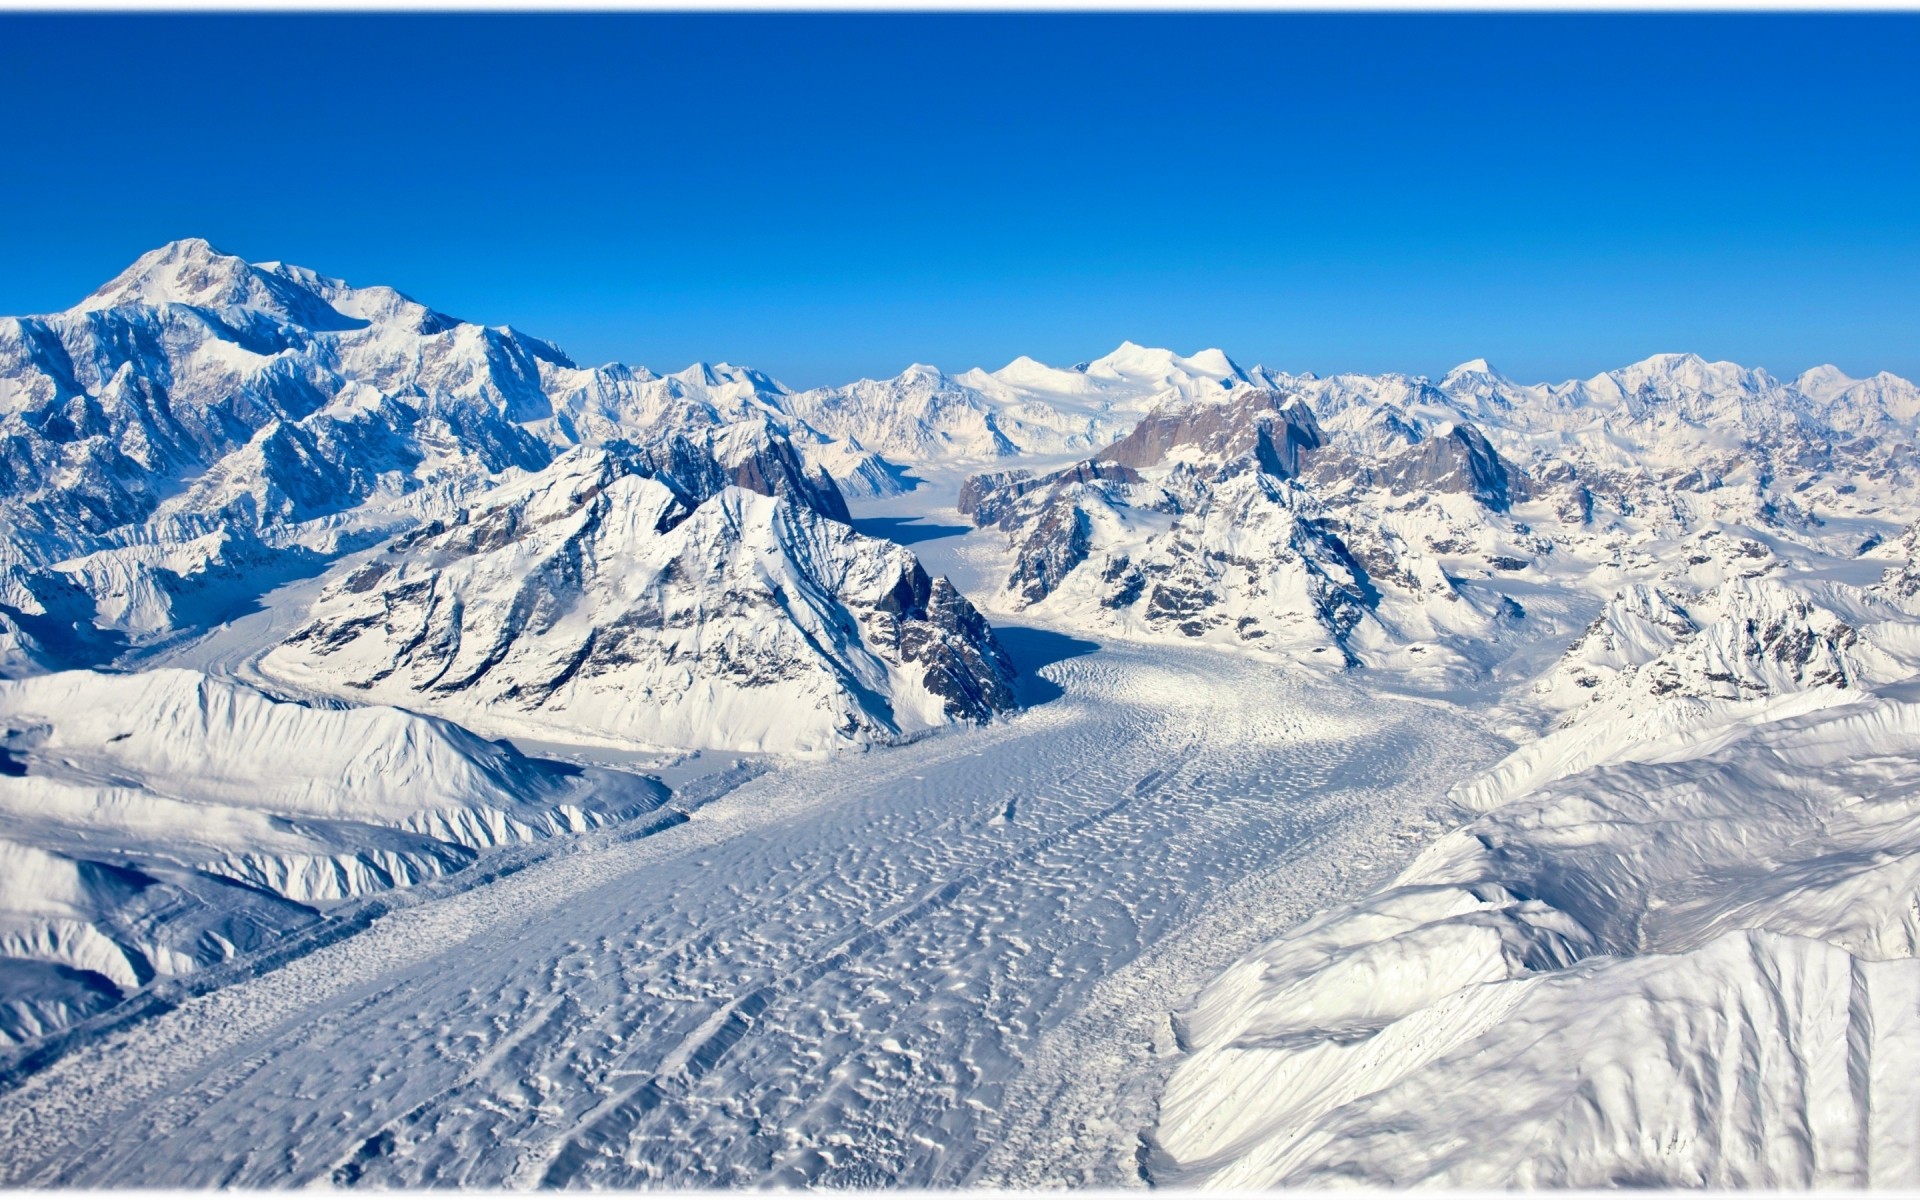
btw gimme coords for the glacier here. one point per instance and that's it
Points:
(428, 760)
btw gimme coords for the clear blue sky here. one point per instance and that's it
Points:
(825, 196)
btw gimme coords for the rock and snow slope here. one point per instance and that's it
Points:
(1247, 524)
(591, 600)
(1443, 529)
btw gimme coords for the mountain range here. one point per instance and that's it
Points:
(311, 593)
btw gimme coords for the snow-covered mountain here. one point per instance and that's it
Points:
(1669, 939)
(1025, 408)
(603, 599)
(295, 417)
(601, 553)
(1372, 519)
(1248, 523)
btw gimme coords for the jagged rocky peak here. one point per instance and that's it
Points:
(591, 600)
(1276, 429)
(1901, 581)
(990, 498)
(1752, 636)
(1460, 461)
(744, 454)
(1250, 521)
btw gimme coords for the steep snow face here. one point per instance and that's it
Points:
(918, 416)
(924, 415)
(296, 416)
(159, 822)
(1683, 925)
(592, 599)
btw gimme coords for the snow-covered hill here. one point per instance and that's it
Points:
(1679, 947)
(154, 823)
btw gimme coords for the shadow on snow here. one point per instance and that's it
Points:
(906, 531)
(1031, 649)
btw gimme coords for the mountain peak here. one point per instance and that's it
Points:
(1136, 365)
(1473, 366)
(193, 272)
(185, 271)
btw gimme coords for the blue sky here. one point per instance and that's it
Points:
(825, 196)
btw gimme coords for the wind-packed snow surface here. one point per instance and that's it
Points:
(1371, 779)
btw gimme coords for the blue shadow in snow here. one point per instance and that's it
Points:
(906, 531)
(1031, 649)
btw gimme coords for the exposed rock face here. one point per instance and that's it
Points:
(1458, 461)
(1275, 429)
(1245, 521)
(1901, 581)
(990, 499)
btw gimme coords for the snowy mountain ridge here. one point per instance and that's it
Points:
(1675, 931)
(159, 822)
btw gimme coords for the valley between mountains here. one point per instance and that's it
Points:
(430, 761)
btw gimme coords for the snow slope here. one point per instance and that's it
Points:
(1678, 948)
(159, 822)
